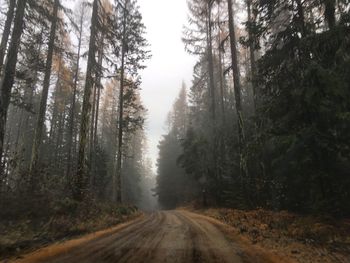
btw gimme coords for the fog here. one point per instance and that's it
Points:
(168, 67)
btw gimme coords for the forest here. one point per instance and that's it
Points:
(263, 126)
(71, 111)
(265, 122)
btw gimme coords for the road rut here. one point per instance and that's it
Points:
(166, 236)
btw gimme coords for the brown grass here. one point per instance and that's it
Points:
(300, 238)
(24, 235)
(64, 247)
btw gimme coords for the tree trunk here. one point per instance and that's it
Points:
(92, 129)
(10, 70)
(222, 135)
(94, 138)
(58, 88)
(6, 32)
(212, 96)
(43, 101)
(19, 129)
(253, 71)
(222, 88)
(237, 84)
(301, 18)
(100, 60)
(252, 54)
(81, 179)
(211, 63)
(330, 13)
(27, 141)
(58, 149)
(121, 113)
(72, 108)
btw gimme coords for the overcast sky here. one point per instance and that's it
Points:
(169, 66)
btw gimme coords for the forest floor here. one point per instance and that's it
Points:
(290, 236)
(25, 234)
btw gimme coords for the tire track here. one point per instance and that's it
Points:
(167, 236)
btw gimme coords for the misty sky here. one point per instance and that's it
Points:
(169, 66)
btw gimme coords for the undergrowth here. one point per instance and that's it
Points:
(58, 220)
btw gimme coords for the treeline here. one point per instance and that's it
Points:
(70, 107)
(267, 123)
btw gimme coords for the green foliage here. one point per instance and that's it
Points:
(170, 175)
(65, 206)
(297, 128)
(174, 187)
(194, 154)
(306, 107)
(68, 110)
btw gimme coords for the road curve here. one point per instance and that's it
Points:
(167, 236)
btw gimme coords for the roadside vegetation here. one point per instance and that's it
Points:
(70, 116)
(58, 222)
(300, 238)
(265, 122)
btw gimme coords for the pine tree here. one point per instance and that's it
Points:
(133, 53)
(10, 68)
(82, 7)
(43, 102)
(81, 180)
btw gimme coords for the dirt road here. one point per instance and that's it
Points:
(168, 236)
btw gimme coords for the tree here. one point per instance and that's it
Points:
(81, 178)
(44, 106)
(173, 185)
(106, 10)
(237, 86)
(133, 54)
(43, 102)
(251, 27)
(109, 131)
(10, 68)
(299, 113)
(121, 108)
(7, 30)
(82, 6)
(199, 41)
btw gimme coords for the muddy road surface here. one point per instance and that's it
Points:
(167, 236)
